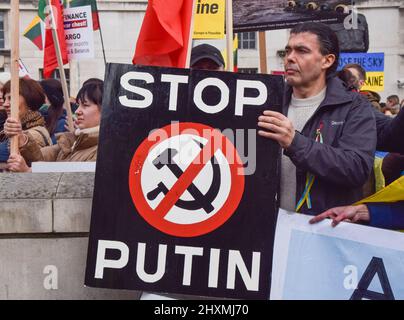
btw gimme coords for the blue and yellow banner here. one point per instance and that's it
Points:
(373, 63)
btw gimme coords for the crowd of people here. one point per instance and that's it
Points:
(329, 130)
(41, 128)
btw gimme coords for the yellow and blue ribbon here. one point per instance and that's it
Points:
(306, 198)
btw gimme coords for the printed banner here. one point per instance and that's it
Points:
(349, 262)
(284, 14)
(373, 63)
(209, 19)
(79, 35)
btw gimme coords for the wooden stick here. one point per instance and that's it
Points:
(263, 52)
(229, 35)
(191, 34)
(61, 70)
(15, 67)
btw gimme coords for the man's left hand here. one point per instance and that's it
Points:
(277, 127)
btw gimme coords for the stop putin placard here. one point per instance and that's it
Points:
(185, 190)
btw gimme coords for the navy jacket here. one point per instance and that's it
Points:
(390, 132)
(343, 162)
(387, 215)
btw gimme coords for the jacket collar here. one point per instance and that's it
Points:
(87, 130)
(336, 94)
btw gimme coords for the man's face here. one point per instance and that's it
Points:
(207, 64)
(304, 62)
(359, 83)
(391, 102)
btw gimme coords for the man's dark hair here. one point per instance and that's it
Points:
(357, 67)
(327, 39)
(394, 98)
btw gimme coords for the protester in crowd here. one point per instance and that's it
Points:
(357, 80)
(30, 120)
(393, 104)
(358, 75)
(378, 214)
(78, 146)
(206, 57)
(327, 132)
(389, 131)
(53, 110)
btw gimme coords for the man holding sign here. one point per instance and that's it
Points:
(327, 132)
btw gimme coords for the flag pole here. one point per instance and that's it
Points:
(15, 79)
(102, 38)
(191, 35)
(263, 52)
(229, 35)
(61, 69)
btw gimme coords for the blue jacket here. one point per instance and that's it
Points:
(387, 215)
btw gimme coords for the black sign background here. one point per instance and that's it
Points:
(275, 14)
(114, 216)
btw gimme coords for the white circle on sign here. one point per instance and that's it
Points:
(188, 146)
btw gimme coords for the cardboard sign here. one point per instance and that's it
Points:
(284, 14)
(209, 19)
(79, 35)
(176, 206)
(373, 63)
(349, 262)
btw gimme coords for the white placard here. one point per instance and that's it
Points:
(349, 261)
(79, 34)
(42, 167)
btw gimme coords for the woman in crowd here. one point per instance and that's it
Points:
(30, 120)
(53, 111)
(78, 146)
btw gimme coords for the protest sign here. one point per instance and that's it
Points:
(347, 262)
(78, 25)
(276, 14)
(373, 63)
(184, 198)
(209, 19)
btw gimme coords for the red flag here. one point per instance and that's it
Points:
(164, 36)
(50, 61)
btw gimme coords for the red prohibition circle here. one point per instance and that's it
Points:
(155, 217)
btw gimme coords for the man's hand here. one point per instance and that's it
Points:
(12, 127)
(348, 214)
(16, 163)
(278, 127)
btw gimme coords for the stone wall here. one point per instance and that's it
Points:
(44, 225)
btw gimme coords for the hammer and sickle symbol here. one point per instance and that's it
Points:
(200, 200)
